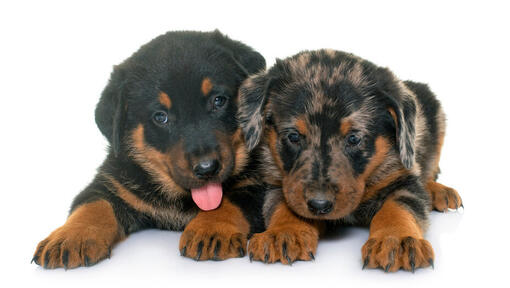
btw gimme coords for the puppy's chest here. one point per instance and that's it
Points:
(165, 210)
(171, 217)
(169, 213)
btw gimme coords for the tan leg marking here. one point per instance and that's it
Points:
(217, 235)
(396, 241)
(86, 238)
(287, 239)
(443, 197)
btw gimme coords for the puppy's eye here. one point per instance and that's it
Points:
(353, 139)
(294, 137)
(160, 117)
(219, 101)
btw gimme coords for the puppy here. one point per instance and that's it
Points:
(176, 151)
(345, 141)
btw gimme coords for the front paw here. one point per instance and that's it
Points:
(444, 197)
(392, 253)
(218, 241)
(70, 247)
(285, 244)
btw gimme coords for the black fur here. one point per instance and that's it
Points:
(178, 74)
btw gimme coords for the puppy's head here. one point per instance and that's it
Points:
(171, 108)
(328, 120)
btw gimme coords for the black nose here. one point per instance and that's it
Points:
(319, 206)
(206, 168)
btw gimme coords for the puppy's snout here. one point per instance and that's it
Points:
(319, 206)
(206, 168)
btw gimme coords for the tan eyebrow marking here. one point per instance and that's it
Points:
(345, 126)
(165, 100)
(206, 86)
(301, 126)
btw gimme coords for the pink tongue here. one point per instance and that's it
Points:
(207, 197)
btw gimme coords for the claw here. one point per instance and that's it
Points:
(284, 252)
(65, 259)
(86, 260)
(411, 258)
(46, 259)
(365, 263)
(251, 257)
(447, 204)
(431, 262)
(216, 250)
(241, 252)
(459, 208)
(199, 250)
(109, 252)
(288, 260)
(266, 258)
(311, 256)
(183, 251)
(392, 260)
(456, 203)
(35, 259)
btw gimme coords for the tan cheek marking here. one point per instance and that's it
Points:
(206, 86)
(301, 126)
(272, 138)
(154, 159)
(164, 99)
(382, 146)
(345, 126)
(241, 158)
(154, 162)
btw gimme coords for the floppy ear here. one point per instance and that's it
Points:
(111, 110)
(402, 107)
(251, 111)
(248, 60)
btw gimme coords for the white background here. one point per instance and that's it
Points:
(55, 59)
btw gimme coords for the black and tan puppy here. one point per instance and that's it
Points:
(175, 152)
(345, 141)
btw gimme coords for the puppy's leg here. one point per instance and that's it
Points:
(396, 236)
(86, 238)
(288, 238)
(218, 234)
(443, 197)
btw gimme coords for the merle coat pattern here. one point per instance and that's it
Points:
(345, 141)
